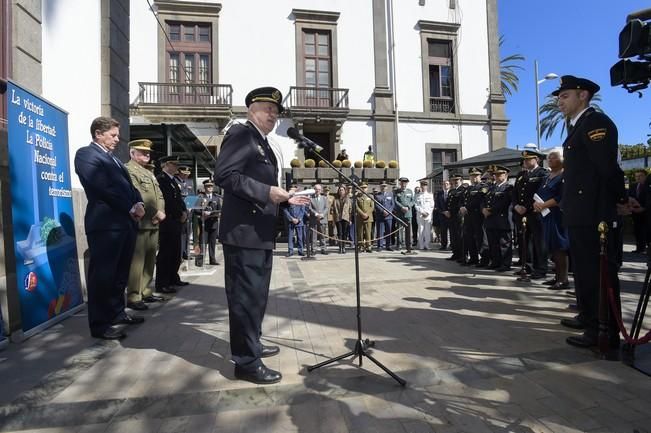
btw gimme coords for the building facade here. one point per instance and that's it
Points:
(417, 80)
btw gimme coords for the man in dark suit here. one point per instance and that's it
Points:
(593, 192)
(247, 171)
(111, 222)
(169, 258)
(440, 206)
(637, 191)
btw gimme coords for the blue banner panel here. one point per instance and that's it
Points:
(42, 213)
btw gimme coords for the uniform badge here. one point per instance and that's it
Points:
(597, 134)
(261, 150)
(275, 95)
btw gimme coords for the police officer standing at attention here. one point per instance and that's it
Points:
(455, 200)
(211, 218)
(247, 171)
(404, 202)
(383, 219)
(144, 254)
(474, 220)
(169, 250)
(527, 183)
(593, 192)
(498, 228)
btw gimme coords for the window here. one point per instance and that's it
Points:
(439, 60)
(442, 157)
(438, 41)
(317, 66)
(189, 59)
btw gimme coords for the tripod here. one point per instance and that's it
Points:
(361, 346)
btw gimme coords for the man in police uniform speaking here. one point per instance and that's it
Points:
(593, 192)
(246, 169)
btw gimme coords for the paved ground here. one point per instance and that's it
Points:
(480, 353)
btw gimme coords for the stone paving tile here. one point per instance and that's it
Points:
(479, 351)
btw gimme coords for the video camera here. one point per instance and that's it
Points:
(634, 40)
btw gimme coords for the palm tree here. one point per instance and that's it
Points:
(508, 72)
(551, 116)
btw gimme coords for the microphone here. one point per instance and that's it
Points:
(303, 142)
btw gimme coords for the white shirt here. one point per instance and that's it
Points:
(576, 118)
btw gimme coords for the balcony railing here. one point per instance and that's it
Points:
(185, 94)
(441, 105)
(318, 97)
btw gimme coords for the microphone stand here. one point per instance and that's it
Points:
(361, 345)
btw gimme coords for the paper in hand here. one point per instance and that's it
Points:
(545, 211)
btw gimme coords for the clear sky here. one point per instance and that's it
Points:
(569, 37)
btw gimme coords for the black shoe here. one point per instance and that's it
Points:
(181, 283)
(151, 299)
(550, 282)
(213, 262)
(109, 334)
(559, 286)
(289, 255)
(581, 341)
(260, 375)
(389, 249)
(168, 290)
(324, 252)
(138, 305)
(268, 351)
(572, 323)
(537, 276)
(129, 320)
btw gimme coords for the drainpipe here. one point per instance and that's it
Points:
(392, 69)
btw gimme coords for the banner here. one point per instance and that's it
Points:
(42, 213)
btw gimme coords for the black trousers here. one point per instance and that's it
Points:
(456, 237)
(535, 243)
(473, 235)
(640, 230)
(501, 247)
(111, 252)
(169, 258)
(584, 250)
(444, 227)
(247, 276)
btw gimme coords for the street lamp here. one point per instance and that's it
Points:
(550, 76)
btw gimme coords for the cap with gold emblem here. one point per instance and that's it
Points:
(571, 82)
(184, 169)
(474, 171)
(171, 159)
(141, 144)
(364, 185)
(529, 153)
(208, 182)
(499, 169)
(265, 94)
(455, 176)
(403, 179)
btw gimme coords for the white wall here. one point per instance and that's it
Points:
(143, 47)
(412, 151)
(72, 66)
(472, 54)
